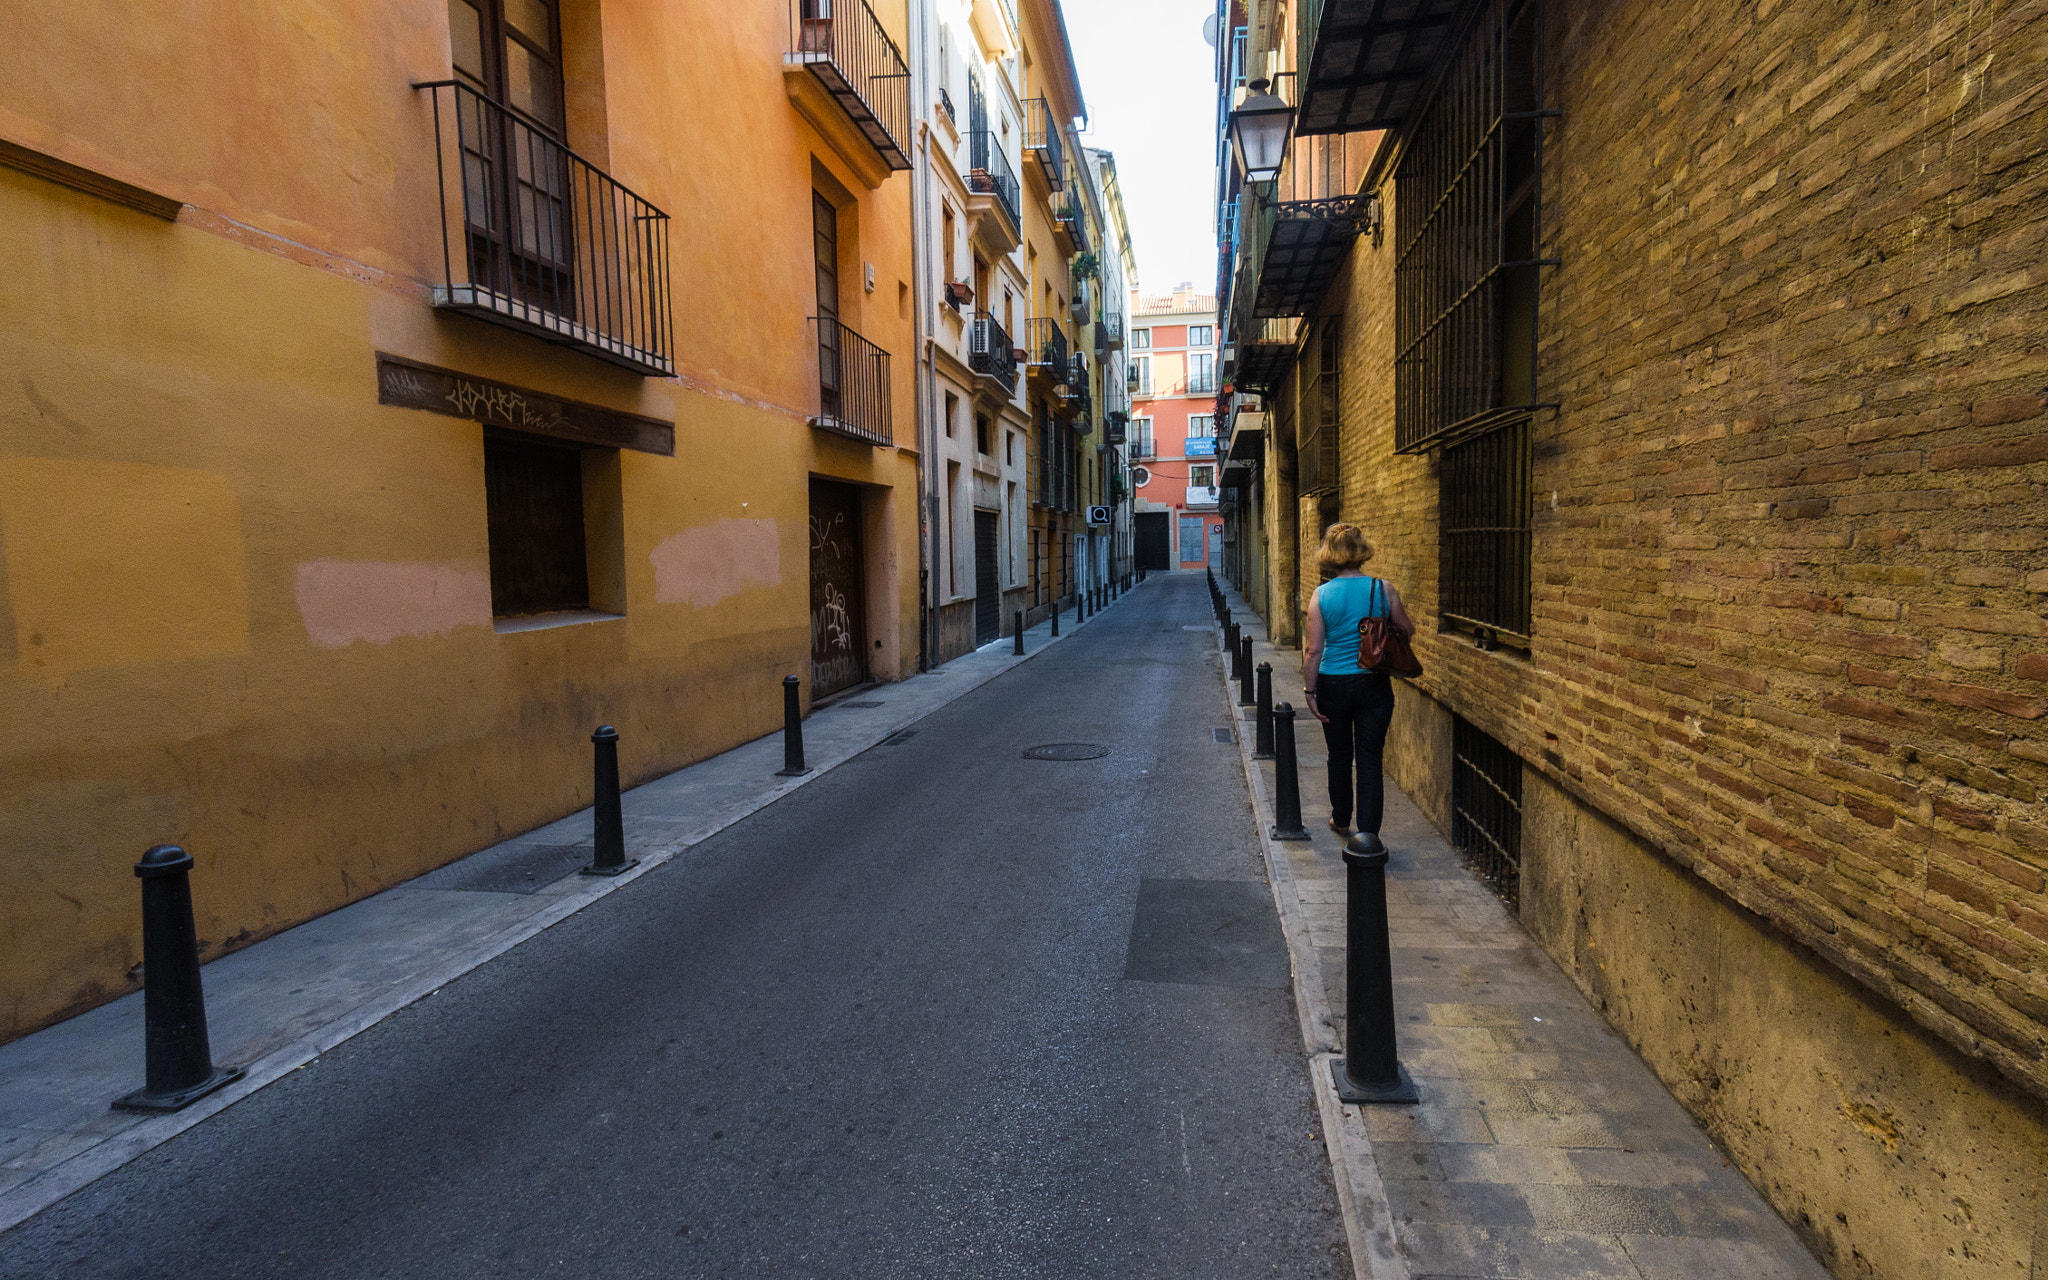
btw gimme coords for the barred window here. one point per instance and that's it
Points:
(1317, 444)
(1468, 212)
(1484, 517)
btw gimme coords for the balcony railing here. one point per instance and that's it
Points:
(1047, 342)
(535, 237)
(1072, 219)
(1115, 425)
(990, 351)
(1202, 385)
(1265, 351)
(853, 384)
(1042, 139)
(946, 105)
(1293, 234)
(843, 45)
(1113, 325)
(990, 174)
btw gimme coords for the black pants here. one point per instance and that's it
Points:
(1359, 708)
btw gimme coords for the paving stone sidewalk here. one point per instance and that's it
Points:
(1543, 1147)
(278, 1004)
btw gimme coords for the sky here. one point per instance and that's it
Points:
(1150, 82)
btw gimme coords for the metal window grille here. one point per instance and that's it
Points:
(535, 237)
(992, 175)
(1468, 270)
(1316, 458)
(842, 43)
(1047, 344)
(1484, 508)
(1486, 808)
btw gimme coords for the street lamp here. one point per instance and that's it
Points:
(1258, 130)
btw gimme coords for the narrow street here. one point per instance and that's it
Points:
(948, 1011)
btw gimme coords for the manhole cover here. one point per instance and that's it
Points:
(1067, 751)
(1224, 735)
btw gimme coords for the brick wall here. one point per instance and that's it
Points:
(1791, 575)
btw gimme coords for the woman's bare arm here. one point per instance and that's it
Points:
(1312, 653)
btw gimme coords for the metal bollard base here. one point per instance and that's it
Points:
(1297, 834)
(1349, 1090)
(793, 773)
(594, 870)
(152, 1103)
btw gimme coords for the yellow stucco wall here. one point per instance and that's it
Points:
(246, 608)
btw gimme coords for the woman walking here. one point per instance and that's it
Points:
(1355, 705)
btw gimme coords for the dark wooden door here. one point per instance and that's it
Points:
(988, 586)
(1152, 533)
(838, 634)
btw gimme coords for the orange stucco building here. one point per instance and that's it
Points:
(1173, 381)
(395, 391)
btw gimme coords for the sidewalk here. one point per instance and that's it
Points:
(274, 1006)
(1543, 1147)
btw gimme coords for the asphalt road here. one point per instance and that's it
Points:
(947, 1011)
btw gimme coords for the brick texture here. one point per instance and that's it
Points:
(1790, 615)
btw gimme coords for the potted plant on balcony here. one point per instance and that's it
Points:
(958, 293)
(1086, 266)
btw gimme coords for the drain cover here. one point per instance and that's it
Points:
(1224, 735)
(1067, 751)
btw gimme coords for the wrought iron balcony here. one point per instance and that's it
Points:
(1366, 62)
(843, 45)
(991, 352)
(1265, 352)
(1113, 325)
(1073, 220)
(537, 238)
(946, 104)
(1202, 385)
(1115, 424)
(1047, 342)
(1042, 140)
(990, 174)
(853, 385)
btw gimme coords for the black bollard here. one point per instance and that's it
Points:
(1263, 744)
(178, 1058)
(1286, 784)
(1370, 1070)
(1230, 634)
(607, 824)
(792, 730)
(1019, 650)
(1055, 619)
(1245, 697)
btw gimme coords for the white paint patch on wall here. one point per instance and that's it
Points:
(344, 601)
(716, 561)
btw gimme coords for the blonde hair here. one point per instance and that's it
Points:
(1344, 547)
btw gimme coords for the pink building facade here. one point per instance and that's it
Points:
(1172, 361)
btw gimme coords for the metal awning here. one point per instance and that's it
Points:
(1308, 242)
(1370, 61)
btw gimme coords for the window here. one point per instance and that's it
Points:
(1316, 446)
(1484, 505)
(1201, 372)
(952, 412)
(1141, 437)
(981, 434)
(1467, 288)
(1201, 425)
(948, 232)
(1201, 335)
(1140, 477)
(1202, 476)
(533, 503)
(1486, 808)
(510, 50)
(1141, 375)
(1010, 449)
(1468, 199)
(1141, 339)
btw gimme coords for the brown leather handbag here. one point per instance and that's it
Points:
(1382, 646)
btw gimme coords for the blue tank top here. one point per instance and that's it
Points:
(1346, 602)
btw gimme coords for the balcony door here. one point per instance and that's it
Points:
(515, 156)
(825, 258)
